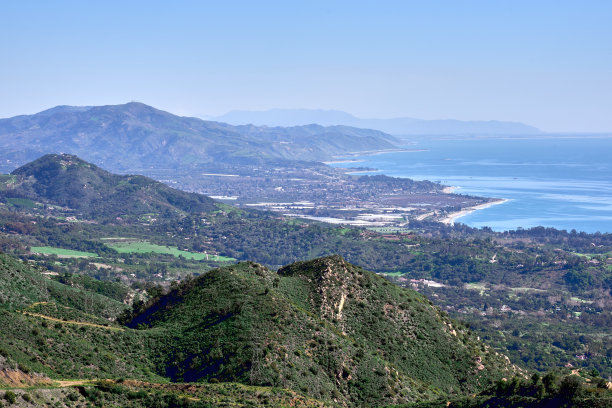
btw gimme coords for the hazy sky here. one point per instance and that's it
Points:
(545, 63)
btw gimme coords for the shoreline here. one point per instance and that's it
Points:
(346, 157)
(451, 218)
(342, 161)
(362, 172)
(448, 219)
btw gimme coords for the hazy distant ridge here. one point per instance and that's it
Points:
(396, 126)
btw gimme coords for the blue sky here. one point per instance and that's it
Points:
(545, 63)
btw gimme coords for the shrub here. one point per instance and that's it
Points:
(140, 394)
(10, 397)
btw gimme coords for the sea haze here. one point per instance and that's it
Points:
(562, 182)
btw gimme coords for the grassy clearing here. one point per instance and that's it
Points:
(480, 287)
(143, 247)
(395, 273)
(577, 299)
(66, 253)
(476, 286)
(526, 290)
(21, 202)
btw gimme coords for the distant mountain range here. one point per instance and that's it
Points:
(395, 126)
(135, 136)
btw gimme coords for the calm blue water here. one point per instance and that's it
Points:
(564, 183)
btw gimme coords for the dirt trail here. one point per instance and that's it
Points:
(19, 380)
(73, 383)
(73, 322)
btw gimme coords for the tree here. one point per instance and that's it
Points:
(570, 387)
(549, 381)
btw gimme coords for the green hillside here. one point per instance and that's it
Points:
(324, 327)
(318, 333)
(67, 181)
(62, 331)
(21, 285)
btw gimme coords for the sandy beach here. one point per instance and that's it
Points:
(452, 217)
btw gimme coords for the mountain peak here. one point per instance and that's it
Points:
(68, 181)
(136, 107)
(52, 162)
(315, 268)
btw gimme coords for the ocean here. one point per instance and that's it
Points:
(563, 182)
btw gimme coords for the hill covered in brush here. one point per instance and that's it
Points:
(51, 330)
(324, 327)
(318, 333)
(67, 181)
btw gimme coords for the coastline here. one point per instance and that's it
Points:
(452, 217)
(362, 172)
(342, 161)
(346, 158)
(448, 219)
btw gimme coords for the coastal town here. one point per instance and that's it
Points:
(335, 195)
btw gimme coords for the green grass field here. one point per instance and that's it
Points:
(21, 202)
(142, 247)
(62, 252)
(396, 273)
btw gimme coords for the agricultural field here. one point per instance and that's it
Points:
(61, 252)
(143, 247)
(21, 202)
